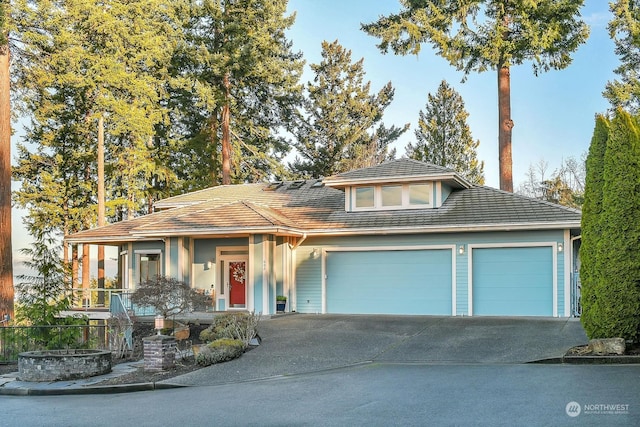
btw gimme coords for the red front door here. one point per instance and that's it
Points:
(237, 284)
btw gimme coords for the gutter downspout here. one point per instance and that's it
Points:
(299, 242)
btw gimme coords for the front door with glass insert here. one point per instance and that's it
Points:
(236, 281)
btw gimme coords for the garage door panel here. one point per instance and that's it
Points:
(513, 281)
(389, 282)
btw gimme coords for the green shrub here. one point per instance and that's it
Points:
(610, 271)
(221, 350)
(237, 326)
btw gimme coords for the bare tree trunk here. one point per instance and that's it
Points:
(6, 256)
(214, 138)
(226, 134)
(505, 124)
(101, 209)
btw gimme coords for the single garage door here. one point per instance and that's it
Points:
(389, 282)
(513, 281)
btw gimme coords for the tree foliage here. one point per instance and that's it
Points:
(341, 126)
(591, 228)
(242, 79)
(564, 186)
(168, 296)
(44, 294)
(443, 136)
(624, 29)
(84, 61)
(481, 35)
(611, 278)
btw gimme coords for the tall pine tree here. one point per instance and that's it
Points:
(480, 35)
(444, 138)
(6, 257)
(341, 127)
(86, 64)
(242, 79)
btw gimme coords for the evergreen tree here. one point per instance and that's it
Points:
(86, 63)
(443, 136)
(43, 295)
(611, 304)
(6, 257)
(341, 127)
(510, 33)
(242, 81)
(591, 222)
(624, 29)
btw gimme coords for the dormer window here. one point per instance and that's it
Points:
(419, 194)
(365, 197)
(391, 196)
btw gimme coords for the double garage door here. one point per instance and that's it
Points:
(390, 282)
(504, 282)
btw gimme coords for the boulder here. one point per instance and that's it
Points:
(602, 346)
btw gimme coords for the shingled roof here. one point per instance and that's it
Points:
(294, 208)
(400, 167)
(400, 170)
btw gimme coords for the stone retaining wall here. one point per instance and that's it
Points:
(57, 365)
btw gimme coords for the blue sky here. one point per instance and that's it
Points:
(553, 113)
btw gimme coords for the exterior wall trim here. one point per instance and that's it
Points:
(568, 268)
(167, 257)
(326, 249)
(192, 269)
(554, 249)
(130, 284)
(180, 272)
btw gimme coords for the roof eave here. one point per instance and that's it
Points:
(448, 229)
(289, 231)
(451, 178)
(279, 231)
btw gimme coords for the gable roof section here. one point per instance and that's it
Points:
(247, 209)
(401, 170)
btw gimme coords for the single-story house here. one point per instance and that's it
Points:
(403, 237)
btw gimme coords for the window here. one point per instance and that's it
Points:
(149, 267)
(391, 195)
(364, 197)
(419, 194)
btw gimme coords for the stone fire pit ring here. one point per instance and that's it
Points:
(61, 365)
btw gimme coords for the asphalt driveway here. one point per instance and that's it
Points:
(302, 343)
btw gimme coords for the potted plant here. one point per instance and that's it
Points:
(281, 302)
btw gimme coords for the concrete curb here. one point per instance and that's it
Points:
(109, 389)
(590, 360)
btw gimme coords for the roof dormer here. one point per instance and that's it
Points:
(396, 185)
